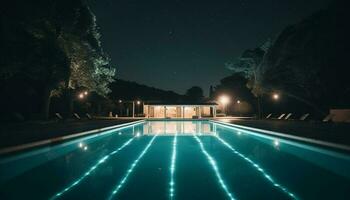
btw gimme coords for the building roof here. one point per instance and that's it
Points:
(182, 103)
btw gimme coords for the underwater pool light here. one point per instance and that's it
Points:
(131, 169)
(215, 168)
(172, 169)
(86, 174)
(256, 166)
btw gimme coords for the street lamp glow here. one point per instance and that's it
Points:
(81, 95)
(85, 93)
(238, 101)
(275, 96)
(224, 100)
(120, 101)
(138, 102)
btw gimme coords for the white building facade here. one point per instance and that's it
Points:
(185, 111)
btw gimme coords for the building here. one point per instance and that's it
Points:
(180, 110)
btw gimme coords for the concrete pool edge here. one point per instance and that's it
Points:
(321, 143)
(54, 140)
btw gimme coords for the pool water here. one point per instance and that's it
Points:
(176, 160)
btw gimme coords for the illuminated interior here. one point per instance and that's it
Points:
(179, 111)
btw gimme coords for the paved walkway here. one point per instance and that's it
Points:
(330, 132)
(21, 133)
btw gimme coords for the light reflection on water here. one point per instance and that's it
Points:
(182, 128)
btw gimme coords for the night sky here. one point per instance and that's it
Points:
(174, 45)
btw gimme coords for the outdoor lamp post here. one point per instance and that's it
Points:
(275, 96)
(224, 100)
(133, 105)
(81, 96)
(239, 107)
(120, 107)
(138, 106)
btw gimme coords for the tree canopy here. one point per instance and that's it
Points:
(53, 45)
(194, 93)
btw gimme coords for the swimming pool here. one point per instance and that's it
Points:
(176, 160)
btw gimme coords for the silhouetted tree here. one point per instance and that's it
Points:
(249, 65)
(308, 61)
(211, 92)
(195, 93)
(235, 86)
(54, 45)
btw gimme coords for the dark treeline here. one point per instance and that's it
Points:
(130, 91)
(51, 53)
(306, 65)
(308, 61)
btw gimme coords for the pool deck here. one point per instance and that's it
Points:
(14, 134)
(338, 133)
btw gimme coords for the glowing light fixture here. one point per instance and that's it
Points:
(256, 166)
(275, 96)
(224, 99)
(138, 102)
(85, 93)
(215, 168)
(94, 167)
(81, 95)
(276, 143)
(131, 169)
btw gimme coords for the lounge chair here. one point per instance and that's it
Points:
(58, 116)
(281, 116)
(88, 116)
(328, 118)
(288, 116)
(304, 116)
(76, 116)
(268, 116)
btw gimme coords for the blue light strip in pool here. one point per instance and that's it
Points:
(172, 169)
(94, 167)
(215, 168)
(268, 177)
(130, 170)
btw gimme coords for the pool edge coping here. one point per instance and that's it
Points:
(320, 143)
(54, 140)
